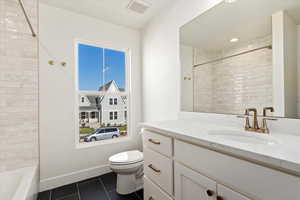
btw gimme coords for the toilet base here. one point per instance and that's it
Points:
(128, 183)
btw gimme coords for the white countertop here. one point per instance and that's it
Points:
(283, 153)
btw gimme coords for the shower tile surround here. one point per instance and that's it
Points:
(230, 85)
(19, 86)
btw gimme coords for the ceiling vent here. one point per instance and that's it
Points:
(138, 6)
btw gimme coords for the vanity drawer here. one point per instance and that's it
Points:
(157, 142)
(252, 180)
(153, 192)
(159, 169)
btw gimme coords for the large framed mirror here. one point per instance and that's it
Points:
(242, 54)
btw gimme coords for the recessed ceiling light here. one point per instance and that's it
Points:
(234, 39)
(230, 1)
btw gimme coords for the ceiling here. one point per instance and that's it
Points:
(244, 19)
(114, 11)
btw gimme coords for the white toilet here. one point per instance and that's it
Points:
(129, 169)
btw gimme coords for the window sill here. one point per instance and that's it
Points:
(102, 142)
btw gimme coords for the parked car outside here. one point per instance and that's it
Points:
(102, 134)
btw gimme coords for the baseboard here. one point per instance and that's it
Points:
(57, 181)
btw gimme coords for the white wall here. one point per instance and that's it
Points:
(298, 50)
(291, 75)
(161, 63)
(285, 65)
(186, 61)
(278, 63)
(61, 161)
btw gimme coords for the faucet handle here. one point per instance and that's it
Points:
(271, 109)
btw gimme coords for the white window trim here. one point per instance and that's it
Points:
(127, 92)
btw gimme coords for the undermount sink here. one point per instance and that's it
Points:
(243, 137)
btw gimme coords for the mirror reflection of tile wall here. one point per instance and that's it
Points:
(230, 85)
(231, 63)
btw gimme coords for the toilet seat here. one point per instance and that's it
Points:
(126, 158)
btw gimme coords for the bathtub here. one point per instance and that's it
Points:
(20, 184)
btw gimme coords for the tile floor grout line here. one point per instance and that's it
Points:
(78, 191)
(50, 195)
(105, 190)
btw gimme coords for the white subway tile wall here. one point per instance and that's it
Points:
(18, 86)
(231, 85)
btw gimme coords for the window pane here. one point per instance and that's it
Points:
(101, 69)
(97, 116)
(90, 61)
(115, 68)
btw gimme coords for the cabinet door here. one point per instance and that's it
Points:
(225, 193)
(190, 185)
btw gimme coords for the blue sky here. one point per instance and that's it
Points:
(91, 67)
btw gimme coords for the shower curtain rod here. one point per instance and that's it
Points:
(224, 58)
(27, 18)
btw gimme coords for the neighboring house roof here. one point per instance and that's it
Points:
(108, 85)
(95, 100)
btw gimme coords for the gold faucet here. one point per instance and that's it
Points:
(255, 127)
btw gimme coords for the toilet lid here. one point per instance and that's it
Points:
(127, 157)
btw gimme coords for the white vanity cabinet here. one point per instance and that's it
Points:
(192, 185)
(181, 170)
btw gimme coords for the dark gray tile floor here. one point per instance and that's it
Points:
(98, 188)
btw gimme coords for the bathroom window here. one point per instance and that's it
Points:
(101, 82)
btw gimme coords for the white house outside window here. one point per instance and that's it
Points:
(102, 86)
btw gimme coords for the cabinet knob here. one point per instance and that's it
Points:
(220, 198)
(151, 198)
(209, 193)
